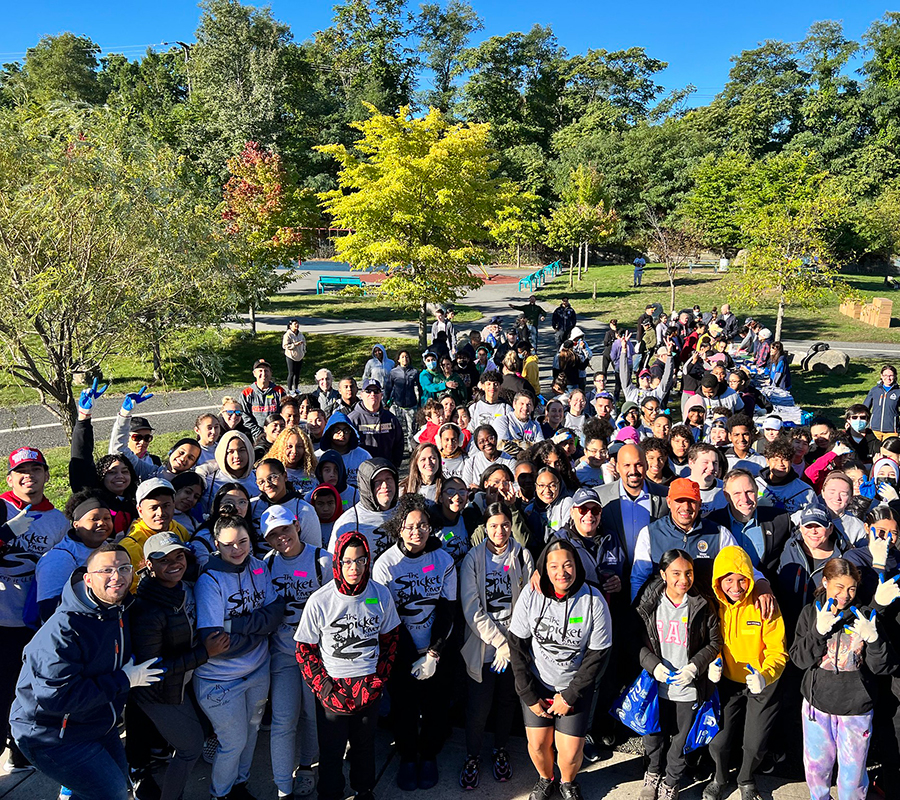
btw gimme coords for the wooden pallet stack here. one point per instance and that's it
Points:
(877, 313)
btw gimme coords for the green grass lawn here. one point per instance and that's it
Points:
(225, 358)
(616, 298)
(349, 304)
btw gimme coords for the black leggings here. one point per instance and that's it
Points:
(749, 718)
(494, 690)
(293, 374)
(419, 711)
(675, 720)
(334, 732)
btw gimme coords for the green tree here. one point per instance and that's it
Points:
(675, 244)
(418, 198)
(237, 77)
(267, 222)
(791, 215)
(444, 34)
(99, 232)
(58, 69)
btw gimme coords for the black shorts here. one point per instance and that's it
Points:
(575, 723)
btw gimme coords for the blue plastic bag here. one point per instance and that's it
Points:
(638, 707)
(706, 724)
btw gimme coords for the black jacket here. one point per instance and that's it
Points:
(843, 688)
(380, 432)
(704, 635)
(162, 627)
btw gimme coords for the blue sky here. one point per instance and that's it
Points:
(696, 38)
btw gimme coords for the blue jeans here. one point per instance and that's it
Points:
(235, 709)
(293, 705)
(94, 770)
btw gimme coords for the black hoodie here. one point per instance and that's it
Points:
(569, 635)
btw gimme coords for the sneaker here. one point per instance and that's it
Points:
(543, 789)
(209, 749)
(428, 775)
(501, 767)
(748, 791)
(470, 775)
(667, 792)
(143, 785)
(240, 792)
(64, 793)
(304, 782)
(713, 790)
(10, 766)
(650, 789)
(406, 777)
(570, 791)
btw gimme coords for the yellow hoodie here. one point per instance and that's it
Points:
(748, 637)
(138, 533)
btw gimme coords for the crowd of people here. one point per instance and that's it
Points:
(449, 540)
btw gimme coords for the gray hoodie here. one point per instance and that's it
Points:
(366, 517)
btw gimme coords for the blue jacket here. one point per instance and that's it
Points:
(72, 687)
(326, 443)
(404, 385)
(884, 407)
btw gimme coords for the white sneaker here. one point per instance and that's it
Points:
(304, 782)
(9, 768)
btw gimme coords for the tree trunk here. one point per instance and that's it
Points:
(779, 321)
(423, 325)
(518, 255)
(156, 352)
(671, 293)
(571, 267)
(253, 318)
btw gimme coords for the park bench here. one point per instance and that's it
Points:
(336, 280)
(704, 262)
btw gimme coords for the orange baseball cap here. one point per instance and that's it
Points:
(684, 489)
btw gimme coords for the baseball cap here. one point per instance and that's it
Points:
(371, 383)
(684, 489)
(275, 517)
(494, 321)
(146, 488)
(161, 544)
(584, 496)
(139, 424)
(25, 455)
(814, 515)
(772, 423)
(644, 372)
(261, 362)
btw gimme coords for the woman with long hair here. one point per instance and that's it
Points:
(232, 499)
(425, 474)
(295, 450)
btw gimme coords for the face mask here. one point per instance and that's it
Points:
(431, 364)
(859, 425)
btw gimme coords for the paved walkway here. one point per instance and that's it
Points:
(618, 778)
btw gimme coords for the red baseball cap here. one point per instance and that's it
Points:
(684, 489)
(25, 455)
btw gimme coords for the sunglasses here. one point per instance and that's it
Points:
(141, 437)
(232, 412)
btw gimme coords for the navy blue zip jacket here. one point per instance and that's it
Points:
(72, 687)
(884, 405)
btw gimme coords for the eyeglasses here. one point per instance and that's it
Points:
(272, 480)
(108, 572)
(359, 562)
(232, 412)
(453, 492)
(859, 416)
(141, 437)
(423, 528)
(372, 390)
(553, 485)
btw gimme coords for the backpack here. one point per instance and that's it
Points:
(818, 347)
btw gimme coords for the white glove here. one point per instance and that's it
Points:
(714, 673)
(887, 492)
(878, 547)
(841, 449)
(826, 620)
(501, 658)
(755, 681)
(864, 628)
(425, 667)
(686, 675)
(21, 522)
(662, 673)
(142, 674)
(888, 590)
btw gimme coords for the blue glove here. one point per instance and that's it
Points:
(86, 400)
(135, 398)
